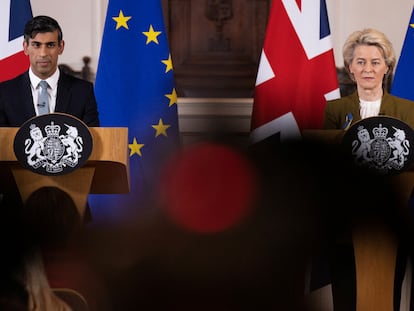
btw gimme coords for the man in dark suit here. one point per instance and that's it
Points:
(43, 43)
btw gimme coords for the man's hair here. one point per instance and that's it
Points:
(41, 24)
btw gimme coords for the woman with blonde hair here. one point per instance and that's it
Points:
(369, 59)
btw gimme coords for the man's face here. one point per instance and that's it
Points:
(43, 51)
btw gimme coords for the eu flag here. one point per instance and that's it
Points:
(135, 88)
(402, 84)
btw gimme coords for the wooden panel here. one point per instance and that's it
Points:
(76, 183)
(216, 45)
(375, 250)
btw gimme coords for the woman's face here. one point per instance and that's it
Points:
(368, 67)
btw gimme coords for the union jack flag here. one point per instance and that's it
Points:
(13, 16)
(297, 71)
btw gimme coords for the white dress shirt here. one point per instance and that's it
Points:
(52, 81)
(369, 108)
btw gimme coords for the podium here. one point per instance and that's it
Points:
(105, 172)
(375, 247)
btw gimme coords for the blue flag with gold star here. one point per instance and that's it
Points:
(135, 88)
(402, 84)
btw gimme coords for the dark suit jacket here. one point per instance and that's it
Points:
(392, 106)
(74, 96)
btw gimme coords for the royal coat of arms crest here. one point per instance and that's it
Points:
(53, 144)
(380, 143)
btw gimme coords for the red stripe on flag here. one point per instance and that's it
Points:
(13, 65)
(300, 84)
